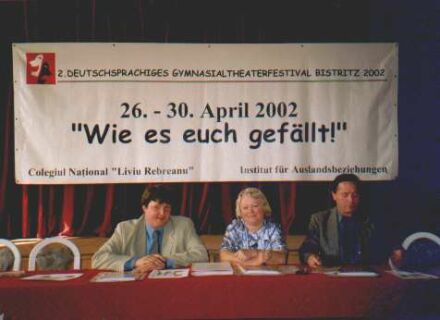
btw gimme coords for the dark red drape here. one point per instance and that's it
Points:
(44, 210)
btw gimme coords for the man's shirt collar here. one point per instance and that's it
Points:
(150, 230)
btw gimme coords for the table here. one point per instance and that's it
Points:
(213, 297)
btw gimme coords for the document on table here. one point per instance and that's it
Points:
(113, 276)
(325, 270)
(12, 274)
(411, 275)
(169, 274)
(53, 276)
(353, 271)
(259, 270)
(211, 269)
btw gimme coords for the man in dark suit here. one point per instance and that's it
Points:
(339, 235)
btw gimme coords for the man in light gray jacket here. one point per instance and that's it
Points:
(156, 240)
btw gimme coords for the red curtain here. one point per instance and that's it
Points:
(45, 210)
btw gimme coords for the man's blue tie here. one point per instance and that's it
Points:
(155, 248)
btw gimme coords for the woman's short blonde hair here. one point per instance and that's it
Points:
(255, 194)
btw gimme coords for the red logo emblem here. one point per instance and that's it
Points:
(40, 68)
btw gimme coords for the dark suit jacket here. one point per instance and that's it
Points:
(323, 237)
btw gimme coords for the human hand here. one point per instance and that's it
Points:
(313, 261)
(264, 256)
(257, 257)
(267, 254)
(241, 255)
(245, 254)
(150, 262)
(397, 257)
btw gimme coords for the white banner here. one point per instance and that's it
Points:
(134, 112)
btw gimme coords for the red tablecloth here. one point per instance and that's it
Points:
(213, 297)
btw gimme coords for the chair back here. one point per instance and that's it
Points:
(17, 255)
(420, 235)
(47, 241)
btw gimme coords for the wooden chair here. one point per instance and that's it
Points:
(58, 240)
(16, 253)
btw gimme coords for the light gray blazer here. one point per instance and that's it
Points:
(180, 243)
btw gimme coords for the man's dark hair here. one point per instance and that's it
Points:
(159, 193)
(345, 178)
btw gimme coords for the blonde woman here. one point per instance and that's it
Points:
(253, 239)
